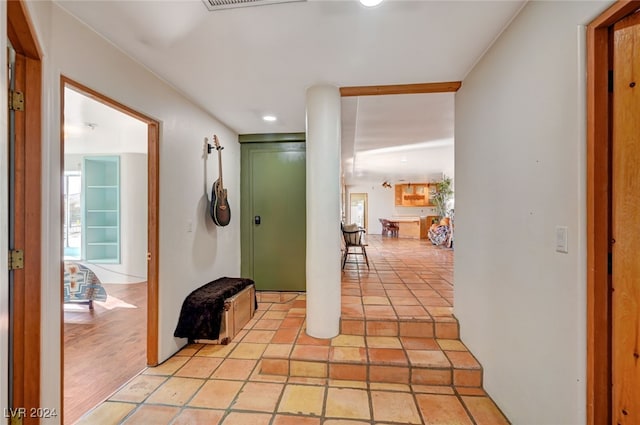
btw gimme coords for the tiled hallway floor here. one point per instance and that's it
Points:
(274, 374)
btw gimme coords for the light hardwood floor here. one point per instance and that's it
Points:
(103, 348)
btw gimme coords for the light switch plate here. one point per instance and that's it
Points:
(562, 239)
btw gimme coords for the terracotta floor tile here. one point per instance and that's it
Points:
(150, 414)
(189, 350)
(351, 299)
(318, 382)
(397, 290)
(375, 300)
(274, 315)
(351, 326)
(383, 342)
(435, 301)
(348, 354)
(281, 306)
(347, 403)
(297, 312)
(352, 310)
(410, 311)
(379, 311)
(292, 322)
(387, 386)
(310, 352)
(447, 330)
(260, 336)
(310, 369)
(248, 351)
(176, 391)
(381, 328)
(216, 350)
(462, 360)
(387, 356)
(440, 311)
(471, 391)
(190, 416)
(305, 339)
(426, 358)
(348, 371)
(451, 345)
(484, 411)
(234, 369)
(302, 399)
(425, 293)
(396, 301)
(348, 341)
(295, 420)
(258, 396)
(138, 389)
(393, 374)
(107, 413)
(341, 383)
(412, 343)
(216, 394)
(442, 409)
(199, 367)
(167, 368)
(394, 407)
(245, 418)
(432, 389)
(268, 297)
(285, 336)
(277, 350)
(267, 325)
(274, 366)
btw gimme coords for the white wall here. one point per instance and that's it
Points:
(187, 259)
(520, 171)
(379, 204)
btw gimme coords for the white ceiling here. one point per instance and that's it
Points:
(240, 64)
(91, 127)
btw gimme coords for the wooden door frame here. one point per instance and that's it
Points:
(26, 302)
(153, 178)
(599, 211)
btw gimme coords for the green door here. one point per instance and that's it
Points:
(274, 215)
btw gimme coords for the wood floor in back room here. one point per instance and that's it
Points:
(104, 347)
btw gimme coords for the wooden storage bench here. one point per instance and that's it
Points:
(217, 311)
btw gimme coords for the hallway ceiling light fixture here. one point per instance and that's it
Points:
(269, 118)
(370, 3)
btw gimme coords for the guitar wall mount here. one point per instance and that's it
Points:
(210, 148)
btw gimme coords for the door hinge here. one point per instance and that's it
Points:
(148, 256)
(16, 259)
(16, 101)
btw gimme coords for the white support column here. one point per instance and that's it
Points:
(323, 211)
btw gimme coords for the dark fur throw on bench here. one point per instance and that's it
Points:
(201, 313)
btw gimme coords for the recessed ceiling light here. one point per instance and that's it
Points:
(269, 118)
(370, 3)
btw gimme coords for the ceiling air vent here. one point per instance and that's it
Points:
(232, 4)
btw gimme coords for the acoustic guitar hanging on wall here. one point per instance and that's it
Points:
(220, 211)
